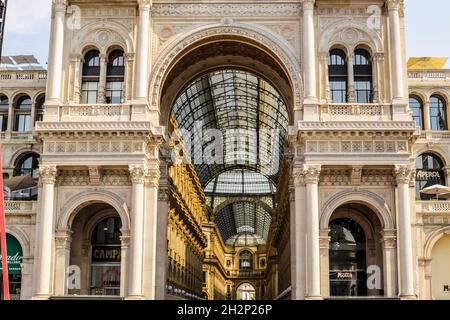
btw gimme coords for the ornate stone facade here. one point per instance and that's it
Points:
(112, 160)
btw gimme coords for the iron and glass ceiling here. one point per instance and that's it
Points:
(244, 107)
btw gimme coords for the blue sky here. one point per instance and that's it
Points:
(428, 28)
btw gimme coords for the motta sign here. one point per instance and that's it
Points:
(345, 275)
(428, 175)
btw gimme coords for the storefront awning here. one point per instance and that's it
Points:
(15, 255)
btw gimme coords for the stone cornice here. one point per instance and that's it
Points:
(357, 125)
(134, 126)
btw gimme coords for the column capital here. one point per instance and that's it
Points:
(389, 239)
(138, 173)
(311, 173)
(298, 177)
(403, 173)
(63, 239)
(59, 5)
(152, 178)
(47, 174)
(308, 4)
(145, 4)
(104, 58)
(394, 4)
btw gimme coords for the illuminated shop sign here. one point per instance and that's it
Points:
(106, 254)
(428, 175)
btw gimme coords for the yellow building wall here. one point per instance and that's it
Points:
(440, 269)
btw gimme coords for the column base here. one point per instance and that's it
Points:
(135, 297)
(408, 297)
(314, 298)
(41, 297)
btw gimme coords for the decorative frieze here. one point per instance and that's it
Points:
(225, 9)
(80, 147)
(358, 146)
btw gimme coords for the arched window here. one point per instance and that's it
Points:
(22, 112)
(115, 77)
(106, 256)
(429, 171)
(416, 106)
(347, 256)
(438, 113)
(40, 108)
(91, 77)
(245, 261)
(362, 66)
(4, 109)
(337, 73)
(23, 184)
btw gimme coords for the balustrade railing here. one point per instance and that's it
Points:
(429, 75)
(433, 206)
(97, 112)
(355, 112)
(20, 207)
(22, 75)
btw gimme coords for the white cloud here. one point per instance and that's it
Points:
(27, 16)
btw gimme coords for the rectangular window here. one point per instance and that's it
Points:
(338, 91)
(23, 123)
(89, 92)
(105, 279)
(363, 90)
(114, 92)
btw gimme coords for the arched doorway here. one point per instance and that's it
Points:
(15, 256)
(246, 291)
(355, 252)
(440, 275)
(96, 249)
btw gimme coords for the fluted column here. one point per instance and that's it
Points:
(398, 83)
(45, 233)
(124, 260)
(312, 174)
(298, 229)
(309, 49)
(102, 79)
(63, 240)
(137, 173)
(403, 176)
(351, 95)
(143, 50)
(389, 245)
(55, 65)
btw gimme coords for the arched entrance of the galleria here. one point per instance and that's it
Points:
(228, 102)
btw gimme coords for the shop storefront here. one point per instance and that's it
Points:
(105, 259)
(15, 255)
(429, 171)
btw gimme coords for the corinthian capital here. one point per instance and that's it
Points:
(311, 173)
(59, 5)
(299, 177)
(394, 4)
(152, 179)
(47, 174)
(308, 4)
(138, 173)
(404, 173)
(145, 4)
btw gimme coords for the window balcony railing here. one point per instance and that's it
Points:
(20, 207)
(95, 113)
(433, 207)
(429, 75)
(435, 135)
(245, 274)
(355, 112)
(8, 76)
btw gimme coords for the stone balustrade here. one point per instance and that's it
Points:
(429, 75)
(433, 207)
(20, 207)
(355, 112)
(95, 113)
